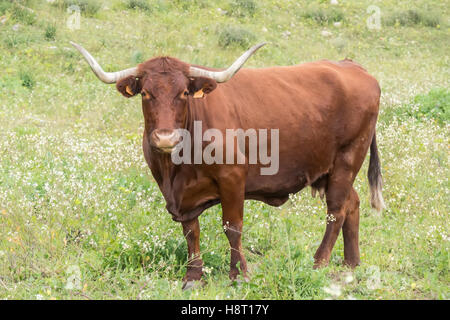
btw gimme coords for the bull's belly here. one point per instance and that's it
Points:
(275, 189)
(296, 171)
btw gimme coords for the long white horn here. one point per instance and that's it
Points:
(106, 77)
(223, 76)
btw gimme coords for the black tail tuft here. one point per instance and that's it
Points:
(375, 180)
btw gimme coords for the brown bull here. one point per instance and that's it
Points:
(326, 114)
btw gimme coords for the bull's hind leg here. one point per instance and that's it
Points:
(346, 216)
(341, 202)
(350, 231)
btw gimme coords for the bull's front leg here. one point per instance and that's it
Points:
(191, 231)
(232, 200)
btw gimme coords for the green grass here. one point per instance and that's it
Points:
(235, 36)
(242, 8)
(82, 218)
(323, 14)
(434, 106)
(21, 14)
(413, 17)
(138, 4)
(87, 7)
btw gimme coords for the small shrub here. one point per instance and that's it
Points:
(138, 5)
(27, 79)
(50, 32)
(413, 17)
(323, 15)
(229, 36)
(242, 8)
(23, 14)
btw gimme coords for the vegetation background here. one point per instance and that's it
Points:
(81, 216)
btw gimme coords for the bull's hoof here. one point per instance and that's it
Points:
(318, 264)
(352, 263)
(193, 284)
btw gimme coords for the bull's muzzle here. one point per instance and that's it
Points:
(165, 140)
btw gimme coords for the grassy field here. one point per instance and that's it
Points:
(81, 216)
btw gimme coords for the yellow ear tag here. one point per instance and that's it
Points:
(199, 94)
(128, 90)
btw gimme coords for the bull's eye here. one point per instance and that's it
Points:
(144, 94)
(184, 94)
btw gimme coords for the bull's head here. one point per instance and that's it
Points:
(165, 85)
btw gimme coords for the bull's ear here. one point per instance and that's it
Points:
(200, 86)
(129, 86)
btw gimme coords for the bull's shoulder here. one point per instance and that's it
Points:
(354, 75)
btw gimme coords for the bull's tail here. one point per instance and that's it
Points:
(375, 180)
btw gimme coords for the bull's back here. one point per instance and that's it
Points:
(316, 107)
(294, 98)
